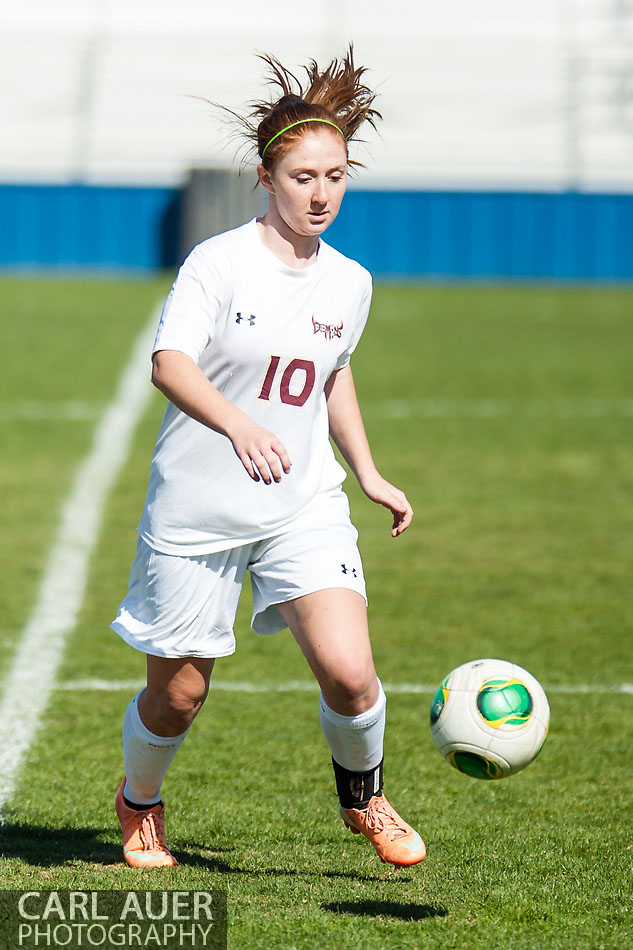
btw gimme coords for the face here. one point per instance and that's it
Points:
(307, 185)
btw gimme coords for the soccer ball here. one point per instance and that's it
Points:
(489, 718)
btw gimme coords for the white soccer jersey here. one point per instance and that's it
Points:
(268, 337)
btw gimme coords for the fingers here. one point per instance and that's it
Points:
(386, 494)
(401, 520)
(265, 458)
(266, 466)
(401, 509)
(283, 456)
(402, 515)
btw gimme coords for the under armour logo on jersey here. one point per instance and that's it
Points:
(251, 320)
(349, 570)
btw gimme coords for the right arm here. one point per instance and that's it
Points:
(180, 379)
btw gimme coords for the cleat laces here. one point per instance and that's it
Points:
(151, 831)
(381, 817)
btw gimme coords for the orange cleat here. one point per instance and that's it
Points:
(143, 833)
(394, 840)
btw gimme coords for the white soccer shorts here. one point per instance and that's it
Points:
(185, 606)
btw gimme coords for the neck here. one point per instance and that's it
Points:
(294, 250)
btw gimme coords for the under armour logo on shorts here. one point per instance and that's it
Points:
(349, 570)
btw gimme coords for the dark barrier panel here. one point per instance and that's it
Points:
(479, 235)
(83, 227)
(444, 235)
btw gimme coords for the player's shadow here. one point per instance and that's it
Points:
(397, 909)
(44, 847)
(220, 864)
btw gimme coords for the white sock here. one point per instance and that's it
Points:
(356, 742)
(147, 757)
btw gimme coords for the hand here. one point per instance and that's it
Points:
(261, 453)
(383, 493)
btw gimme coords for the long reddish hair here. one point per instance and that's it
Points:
(336, 94)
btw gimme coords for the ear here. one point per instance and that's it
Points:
(265, 179)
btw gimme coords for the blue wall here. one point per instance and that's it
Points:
(445, 235)
(479, 235)
(83, 227)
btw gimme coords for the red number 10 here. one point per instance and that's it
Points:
(290, 399)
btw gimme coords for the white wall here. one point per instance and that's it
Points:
(475, 93)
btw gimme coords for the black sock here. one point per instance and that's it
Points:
(137, 807)
(356, 789)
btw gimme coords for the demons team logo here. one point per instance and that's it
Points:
(329, 332)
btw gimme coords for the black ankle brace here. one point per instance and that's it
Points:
(138, 807)
(356, 789)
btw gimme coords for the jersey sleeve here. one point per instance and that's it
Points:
(359, 323)
(189, 315)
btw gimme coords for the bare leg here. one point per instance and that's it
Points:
(156, 722)
(331, 628)
(175, 692)
(154, 727)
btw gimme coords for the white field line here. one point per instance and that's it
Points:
(430, 408)
(31, 676)
(300, 686)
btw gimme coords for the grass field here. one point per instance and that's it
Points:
(506, 413)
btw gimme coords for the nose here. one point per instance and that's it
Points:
(319, 193)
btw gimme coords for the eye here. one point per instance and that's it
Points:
(303, 179)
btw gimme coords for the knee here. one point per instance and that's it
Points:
(185, 703)
(175, 707)
(354, 691)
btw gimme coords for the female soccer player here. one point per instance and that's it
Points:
(253, 353)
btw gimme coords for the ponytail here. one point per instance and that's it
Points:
(335, 96)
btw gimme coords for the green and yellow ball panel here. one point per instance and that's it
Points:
(474, 765)
(439, 699)
(504, 703)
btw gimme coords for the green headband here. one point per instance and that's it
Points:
(300, 122)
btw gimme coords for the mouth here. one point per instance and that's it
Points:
(318, 216)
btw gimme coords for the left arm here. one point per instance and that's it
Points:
(348, 432)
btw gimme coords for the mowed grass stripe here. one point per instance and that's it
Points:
(113, 686)
(31, 676)
(448, 408)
